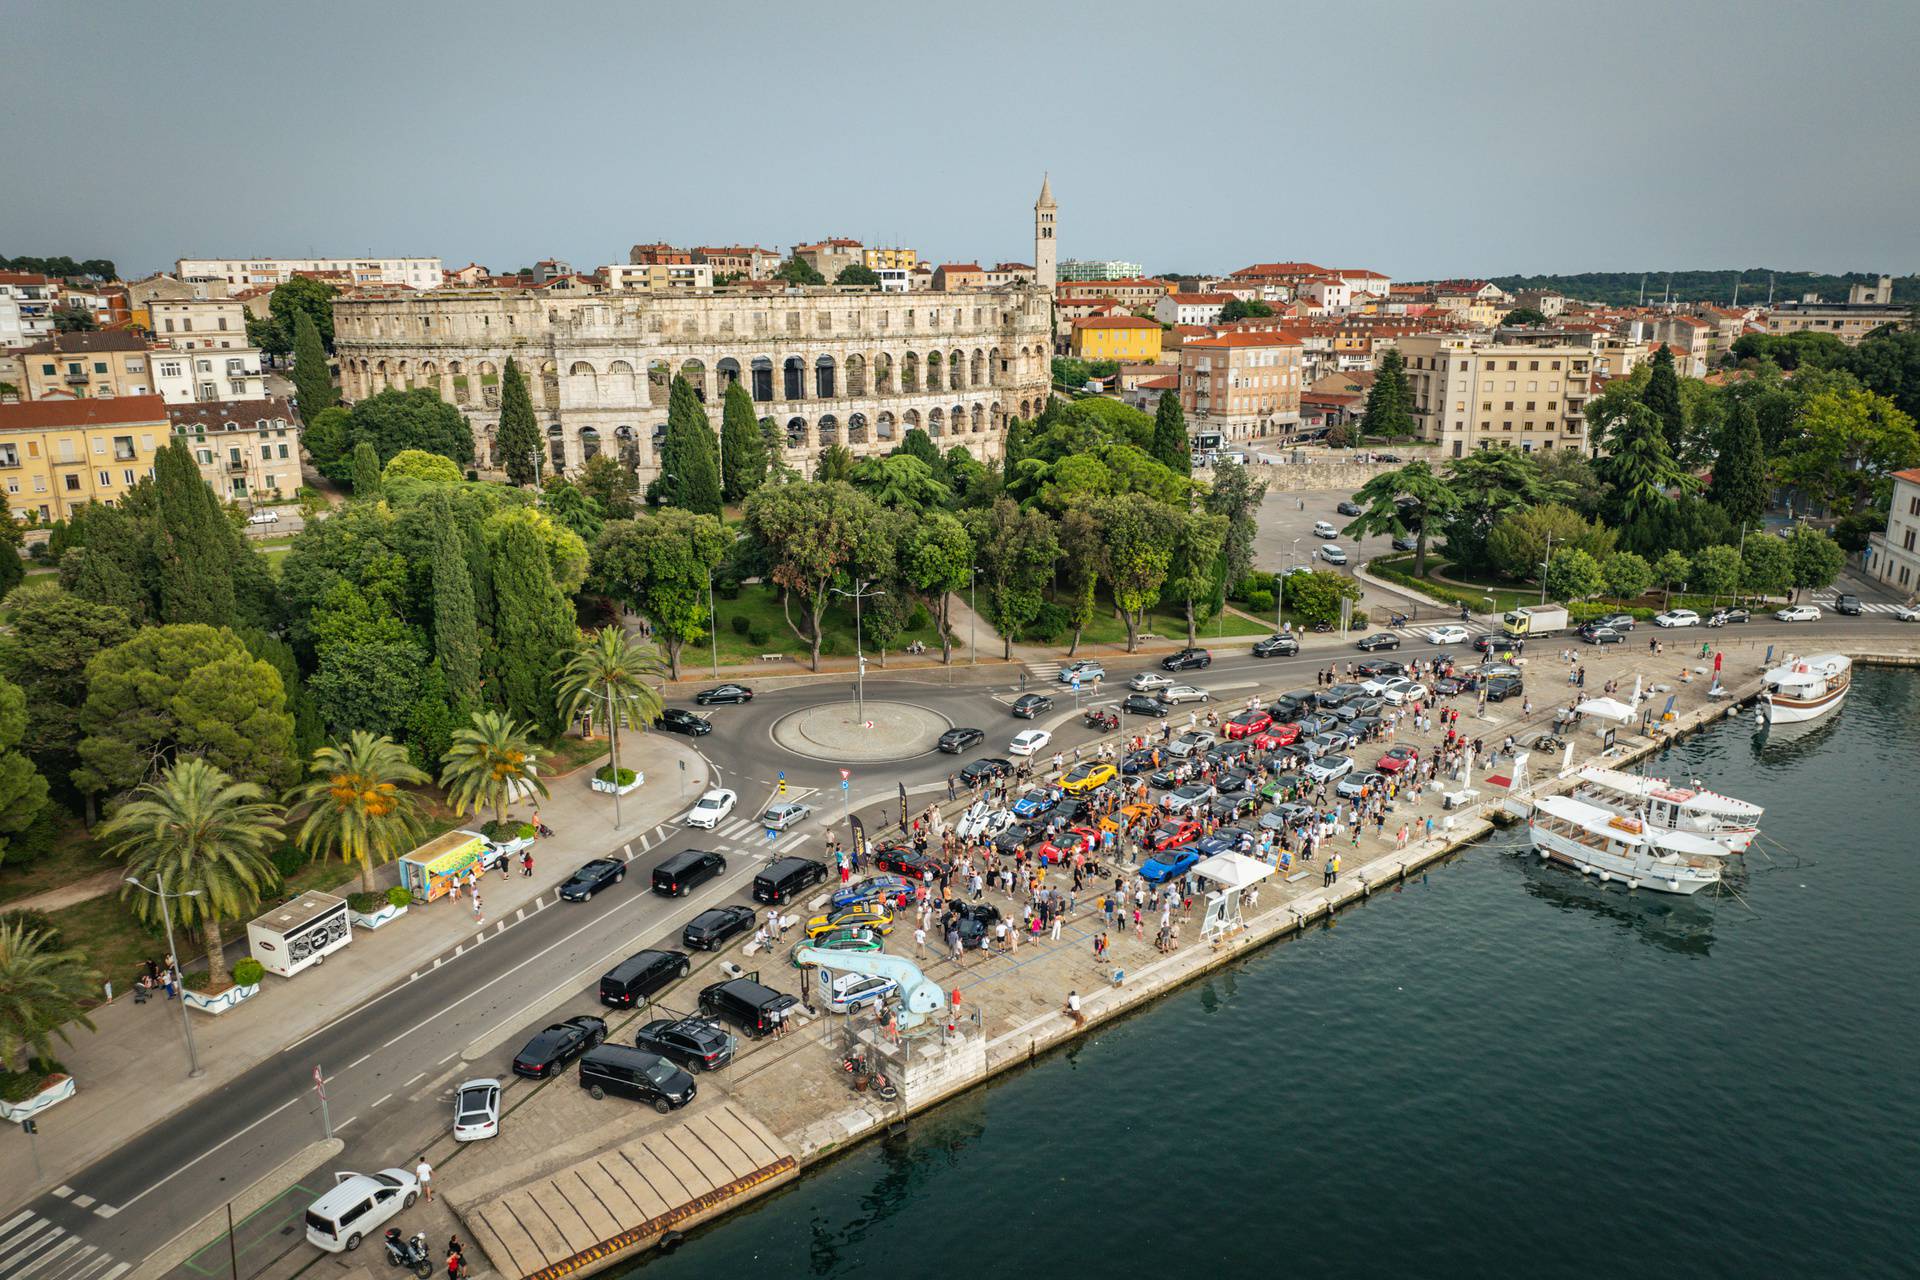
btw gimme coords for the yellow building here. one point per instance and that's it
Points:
(901, 259)
(59, 455)
(93, 364)
(1129, 339)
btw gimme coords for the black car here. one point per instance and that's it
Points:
(1405, 542)
(629, 1073)
(1168, 778)
(1187, 660)
(1378, 640)
(974, 920)
(1848, 604)
(985, 769)
(1721, 617)
(679, 873)
(1448, 686)
(710, 930)
(640, 975)
(1232, 782)
(592, 878)
(1289, 706)
(1335, 694)
(680, 720)
(1140, 761)
(1364, 727)
(1372, 667)
(1500, 688)
(1238, 805)
(1280, 646)
(954, 741)
(723, 693)
(549, 1052)
(754, 1008)
(1348, 507)
(901, 860)
(698, 1044)
(1491, 643)
(1029, 705)
(1140, 704)
(1600, 635)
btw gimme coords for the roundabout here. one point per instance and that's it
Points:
(834, 731)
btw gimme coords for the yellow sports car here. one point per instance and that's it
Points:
(1085, 777)
(869, 917)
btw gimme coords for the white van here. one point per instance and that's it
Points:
(357, 1205)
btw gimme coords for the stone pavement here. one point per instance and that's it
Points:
(132, 1068)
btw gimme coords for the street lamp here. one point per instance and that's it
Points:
(166, 915)
(858, 594)
(973, 615)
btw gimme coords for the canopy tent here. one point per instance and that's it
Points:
(1607, 709)
(1232, 870)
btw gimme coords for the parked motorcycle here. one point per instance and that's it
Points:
(412, 1254)
(1105, 721)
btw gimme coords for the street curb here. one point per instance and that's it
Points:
(250, 1200)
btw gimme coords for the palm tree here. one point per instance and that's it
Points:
(354, 805)
(198, 833)
(42, 989)
(489, 760)
(611, 665)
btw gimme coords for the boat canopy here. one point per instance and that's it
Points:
(1689, 799)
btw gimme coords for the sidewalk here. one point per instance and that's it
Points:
(132, 1068)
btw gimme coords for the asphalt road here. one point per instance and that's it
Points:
(391, 1065)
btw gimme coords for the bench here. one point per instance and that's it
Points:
(773, 657)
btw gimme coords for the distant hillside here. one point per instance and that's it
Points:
(1623, 288)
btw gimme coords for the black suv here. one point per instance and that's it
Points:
(1140, 704)
(954, 741)
(686, 869)
(640, 975)
(1500, 688)
(698, 1044)
(710, 930)
(1187, 660)
(1281, 646)
(755, 1009)
(629, 1073)
(1029, 705)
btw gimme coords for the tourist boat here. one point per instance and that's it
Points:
(1610, 846)
(1728, 822)
(1804, 689)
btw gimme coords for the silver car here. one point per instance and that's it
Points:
(1176, 693)
(1148, 681)
(1086, 671)
(1192, 796)
(476, 1110)
(1329, 768)
(784, 814)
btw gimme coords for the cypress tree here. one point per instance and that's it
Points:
(192, 554)
(742, 452)
(918, 444)
(311, 380)
(1663, 397)
(1386, 413)
(518, 439)
(366, 470)
(1170, 443)
(1740, 468)
(11, 570)
(689, 467)
(456, 630)
(534, 627)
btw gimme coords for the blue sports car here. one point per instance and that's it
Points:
(1033, 803)
(1168, 863)
(883, 888)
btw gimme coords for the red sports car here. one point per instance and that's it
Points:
(1397, 758)
(1062, 846)
(1173, 833)
(1248, 723)
(1277, 735)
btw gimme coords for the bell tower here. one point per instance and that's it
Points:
(1046, 269)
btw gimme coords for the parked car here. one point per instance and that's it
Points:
(633, 1073)
(786, 879)
(264, 517)
(1228, 808)
(592, 877)
(1192, 742)
(357, 1203)
(1168, 863)
(476, 1110)
(1029, 705)
(1402, 690)
(954, 741)
(1322, 529)
(1405, 542)
(1140, 704)
(974, 922)
(1607, 635)
(782, 814)
(1398, 758)
(1329, 768)
(1086, 671)
(1248, 723)
(723, 693)
(1277, 646)
(1799, 613)
(1378, 640)
(1347, 507)
(1354, 784)
(887, 889)
(985, 769)
(710, 930)
(553, 1047)
(1355, 708)
(640, 975)
(754, 1008)
(1175, 694)
(1500, 688)
(1276, 735)
(1724, 617)
(698, 1044)
(1188, 798)
(1332, 554)
(1028, 741)
(864, 915)
(1088, 775)
(710, 809)
(1374, 669)
(1677, 618)
(1148, 681)
(680, 720)
(1187, 660)
(1452, 633)
(901, 860)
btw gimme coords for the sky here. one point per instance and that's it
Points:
(1423, 138)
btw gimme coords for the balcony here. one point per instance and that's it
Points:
(76, 376)
(235, 467)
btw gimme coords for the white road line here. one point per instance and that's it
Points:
(86, 1272)
(500, 928)
(299, 1097)
(118, 1271)
(63, 1191)
(443, 1062)
(16, 1220)
(104, 1211)
(69, 1243)
(32, 1242)
(438, 961)
(344, 1123)
(383, 1098)
(520, 915)
(14, 1239)
(791, 841)
(409, 1084)
(84, 1201)
(357, 1061)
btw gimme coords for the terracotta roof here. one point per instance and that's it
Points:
(1158, 384)
(1202, 299)
(1115, 322)
(22, 277)
(96, 340)
(1361, 275)
(107, 412)
(1911, 475)
(1259, 269)
(211, 413)
(1275, 338)
(961, 266)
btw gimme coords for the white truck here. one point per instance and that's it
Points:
(1536, 620)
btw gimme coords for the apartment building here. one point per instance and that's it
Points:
(182, 377)
(1130, 339)
(27, 304)
(889, 259)
(658, 254)
(1867, 308)
(58, 455)
(1516, 391)
(958, 277)
(658, 277)
(748, 261)
(1133, 291)
(1191, 308)
(1077, 269)
(1243, 385)
(1893, 557)
(197, 324)
(94, 365)
(832, 256)
(413, 273)
(246, 450)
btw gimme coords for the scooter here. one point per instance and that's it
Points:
(1101, 720)
(1396, 619)
(412, 1254)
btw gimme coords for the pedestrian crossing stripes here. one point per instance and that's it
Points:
(1418, 630)
(1044, 670)
(1826, 602)
(749, 831)
(32, 1248)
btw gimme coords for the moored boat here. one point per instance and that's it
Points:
(1727, 821)
(1609, 846)
(1804, 689)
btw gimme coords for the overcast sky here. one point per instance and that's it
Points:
(1423, 138)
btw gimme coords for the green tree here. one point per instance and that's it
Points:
(1244, 308)
(1079, 567)
(1567, 477)
(412, 464)
(1766, 567)
(309, 729)
(11, 569)
(1521, 541)
(855, 273)
(660, 567)
(54, 633)
(491, 763)
(23, 792)
(192, 543)
(1574, 575)
(1016, 550)
(1886, 364)
(835, 464)
(517, 443)
(1523, 316)
(1848, 445)
(312, 378)
(936, 558)
(1488, 484)
(432, 719)
(1237, 496)
(110, 557)
(1642, 472)
(42, 988)
(1817, 559)
(1716, 570)
(1411, 498)
(689, 465)
(902, 481)
(611, 485)
(74, 320)
(798, 270)
(1740, 469)
(1662, 397)
(1627, 575)
(743, 453)
(918, 444)
(302, 295)
(196, 832)
(1136, 555)
(773, 447)
(366, 470)
(176, 691)
(369, 687)
(808, 532)
(1671, 569)
(1193, 575)
(328, 439)
(1315, 597)
(354, 805)
(570, 507)
(456, 625)
(534, 626)
(416, 419)
(1171, 447)
(613, 668)
(1387, 414)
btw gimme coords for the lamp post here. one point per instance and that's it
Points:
(1546, 568)
(713, 630)
(166, 915)
(613, 756)
(973, 612)
(858, 594)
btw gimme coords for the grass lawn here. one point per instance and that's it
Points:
(1508, 596)
(1105, 628)
(760, 606)
(74, 857)
(115, 943)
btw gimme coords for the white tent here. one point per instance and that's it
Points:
(1233, 870)
(1607, 709)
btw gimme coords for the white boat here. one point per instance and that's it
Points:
(1609, 846)
(1728, 822)
(1804, 689)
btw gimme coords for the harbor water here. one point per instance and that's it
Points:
(1499, 1069)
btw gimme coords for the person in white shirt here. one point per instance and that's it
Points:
(424, 1172)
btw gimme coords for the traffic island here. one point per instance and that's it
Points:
(839, 732)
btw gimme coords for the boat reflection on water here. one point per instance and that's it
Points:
(1783, 743)
(1681, 925)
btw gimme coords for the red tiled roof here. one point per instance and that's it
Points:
(1013, 266)
(1202, 299)
(1259, 269)
(217, 413)
(1158, 384)
(961, 266)
(1115, 322)
(1911, 475)
(107, 412)
(22, 277)
(1272, 338)
(1359, 275)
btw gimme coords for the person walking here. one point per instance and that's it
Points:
(424, 1172)
(526, 861)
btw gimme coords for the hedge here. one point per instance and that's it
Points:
(1433, 590)
(18, 1086)
(493, 827)
(248, 972)
(366, 904)
(399, 897)
(605, 774)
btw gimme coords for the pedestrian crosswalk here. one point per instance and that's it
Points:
(748, 831)
(32, 1248)
(1825, 599)
(1044, 670)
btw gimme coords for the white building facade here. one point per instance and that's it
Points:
(412, 273)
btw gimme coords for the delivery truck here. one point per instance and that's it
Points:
(1536, 620)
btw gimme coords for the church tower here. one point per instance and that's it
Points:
(1045, 266)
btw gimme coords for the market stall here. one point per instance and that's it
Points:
(301, 933)
(429, 871)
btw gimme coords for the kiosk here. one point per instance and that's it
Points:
(300, 933)
(428, 872)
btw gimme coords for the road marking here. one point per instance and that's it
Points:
(344, 1123)
(520, 915)
(84, 1201)
(459, 950)
(409, 1084)
(13, 1240)
(383, 1098)
(444, 1061)
(32, 1242)
(118, 1271)
(16, 1220)
(500, 928)
(791, 841)
(63, 1191)
(104, 1210)
(438, 961)
(68, 1243)
(357, 1061)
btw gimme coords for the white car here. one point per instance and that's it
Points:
(710, 808)
(1187, 797)
(264, 517)
(356, 1205)
(1183, 693)
(1377, 687)
(1907, 613)
(1405, 690)
(476, 1110)
(1148, 681)
(1321, 529)
(1453, 633)
(1799, 613)
(1086, 671)
(1028, 741)
(981, 821)
(1329, 768)
(1677, 618)
(1332, 554)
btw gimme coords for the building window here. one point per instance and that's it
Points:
(126, 477)
(73, 482)
(106, 479)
